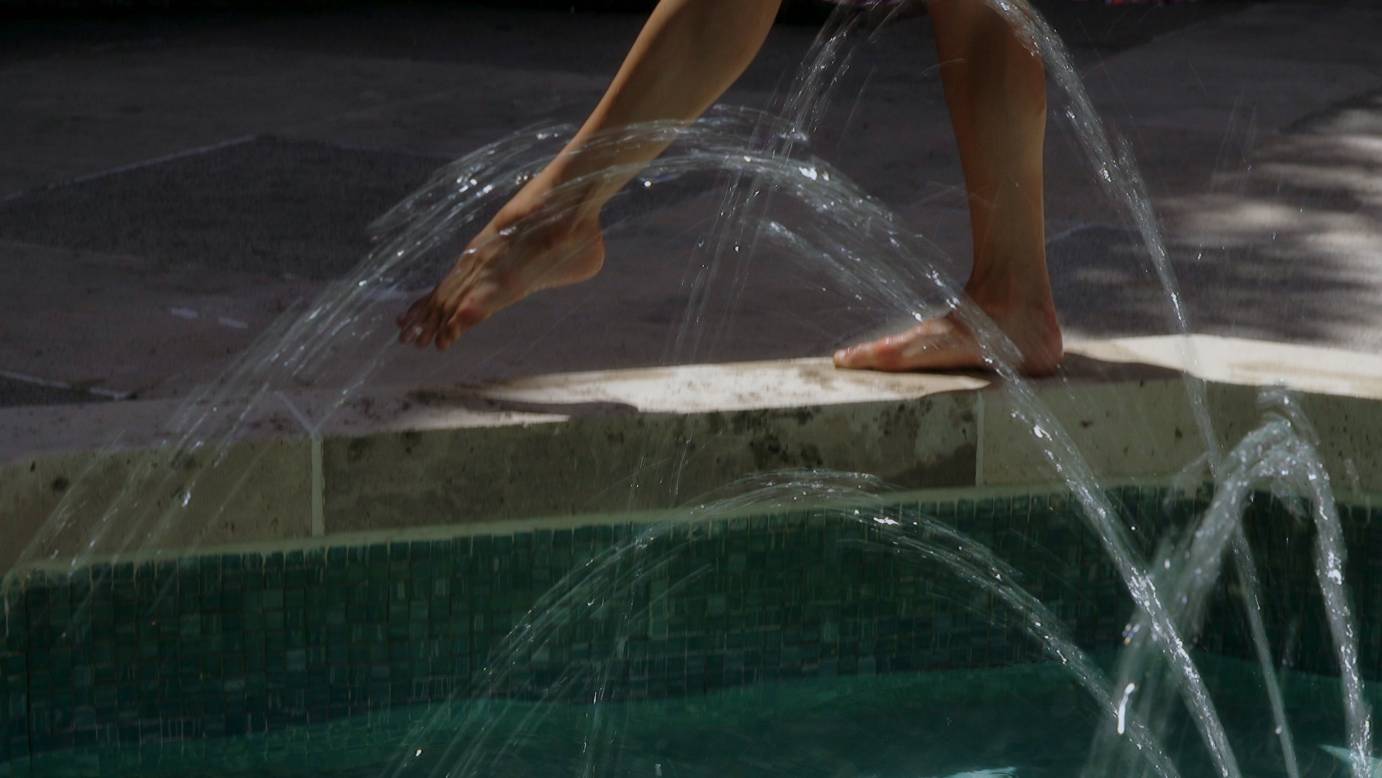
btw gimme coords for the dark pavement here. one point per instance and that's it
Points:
(170, 183)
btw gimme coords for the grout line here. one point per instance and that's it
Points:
(118, 169)
(176, 155)
(392, 294)
(1068, 231)
(437, 155)
(317, 485)
(35, 380)
(979, 438)
(318, 489)
(25, 378)
(297, 414)
(28, 684)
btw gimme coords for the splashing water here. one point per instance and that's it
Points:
(478, 744)
(1282, 453)
(779, 195)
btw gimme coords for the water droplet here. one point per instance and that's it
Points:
(1123, 707)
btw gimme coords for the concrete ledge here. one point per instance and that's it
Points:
(390, 459)
(635, 440)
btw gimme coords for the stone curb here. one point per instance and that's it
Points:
(630, 441)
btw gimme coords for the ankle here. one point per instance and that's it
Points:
(1032, 296)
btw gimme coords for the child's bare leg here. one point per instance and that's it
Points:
(688, 53)
(996, 90)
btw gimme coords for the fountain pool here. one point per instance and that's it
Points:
(368, 624)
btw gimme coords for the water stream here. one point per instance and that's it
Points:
(602, 589)
(777, 194)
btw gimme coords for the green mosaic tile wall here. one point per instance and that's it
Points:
(1282, 540)
(14, 700)
(225, 645)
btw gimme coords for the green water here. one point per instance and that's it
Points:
(1026, 720)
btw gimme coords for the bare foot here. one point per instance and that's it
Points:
(947, 344)
(526, 248)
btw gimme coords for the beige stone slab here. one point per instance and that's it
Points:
(115, 501)
(611, 441)
(1250, 362)
(625, 461)
(1149, 429)
(1137, 429)
(1152, 433)
(543, 446)
(1338, 391)
(771, 384)
(1348, 429)
(1350, 440)
(646, 438)
(688, 389)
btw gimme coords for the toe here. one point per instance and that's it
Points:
(473, 310)
(408, 323)
(427, 330)
(447, 336)
(875, 355)
(929, 346)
